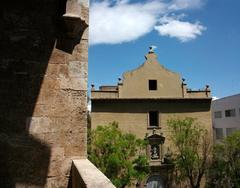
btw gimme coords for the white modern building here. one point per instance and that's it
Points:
(226, 116)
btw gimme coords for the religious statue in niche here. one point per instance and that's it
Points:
(155, 152)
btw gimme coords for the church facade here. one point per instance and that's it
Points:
(142, 102)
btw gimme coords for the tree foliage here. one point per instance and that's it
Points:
(225, 168)
(192, 150)
(119, 156)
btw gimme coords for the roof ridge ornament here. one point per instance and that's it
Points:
(151, 56)
(152, 48)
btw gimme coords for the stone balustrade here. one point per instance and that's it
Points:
(86, 175)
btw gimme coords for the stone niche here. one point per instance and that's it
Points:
(43, 90)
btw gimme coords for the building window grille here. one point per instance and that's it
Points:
(230, 113)
(155, 153)
(218, 114)
(219, 133)
(153, 119)
(152, 85)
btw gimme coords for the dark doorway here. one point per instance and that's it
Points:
(155, 181)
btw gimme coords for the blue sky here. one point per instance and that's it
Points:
(200, 39)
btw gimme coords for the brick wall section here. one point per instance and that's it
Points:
(43, 92)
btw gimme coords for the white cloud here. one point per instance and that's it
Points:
(118, 21)
(174, 27)
(214, 98)
(185, 4)
(121, 22)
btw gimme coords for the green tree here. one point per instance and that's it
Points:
(192, 150)
(119, 156)
(225, 168)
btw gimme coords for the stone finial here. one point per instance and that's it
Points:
(119, 81)
(151, 56)
(207, 90)
(151, 49)
(92, 87)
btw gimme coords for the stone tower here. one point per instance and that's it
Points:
(43, 90)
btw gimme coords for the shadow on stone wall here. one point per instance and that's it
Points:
(28, 31)
(143, 106)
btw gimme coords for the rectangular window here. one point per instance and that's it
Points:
(218, 114)
(153, 119)
(152, 84)
(219, 133)
(230, 113)
(229, 131)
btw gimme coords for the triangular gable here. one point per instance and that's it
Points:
(135, 83)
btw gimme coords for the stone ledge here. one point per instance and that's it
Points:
(86, 175)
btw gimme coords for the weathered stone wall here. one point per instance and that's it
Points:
(132, 115)
(43, 88)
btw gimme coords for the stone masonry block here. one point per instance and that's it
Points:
(46, 96)
(57, 182)
(79, 54)
(42, 110)
(46, 124)
(39, 125)
(85, 34)
(77, 69)
(56, 160)
(73, 83)
(49, 83)
(55, 70)
(57, 57)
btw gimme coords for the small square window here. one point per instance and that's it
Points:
(218, 114)
(152, 84)
(230, 113)
(153, 119)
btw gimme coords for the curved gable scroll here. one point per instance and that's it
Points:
(150, 80)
